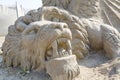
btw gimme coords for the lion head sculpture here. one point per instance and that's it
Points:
(34, 39)
(40, 41)
(45, 36)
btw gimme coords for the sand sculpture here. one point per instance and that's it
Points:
(54, 37)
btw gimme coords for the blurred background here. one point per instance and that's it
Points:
(10, 10)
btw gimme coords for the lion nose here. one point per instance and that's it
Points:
(61, 27)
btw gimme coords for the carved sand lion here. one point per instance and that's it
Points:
(51, 35)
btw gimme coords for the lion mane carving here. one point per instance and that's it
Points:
(50, 32)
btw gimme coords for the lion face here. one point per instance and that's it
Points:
(47, 40)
